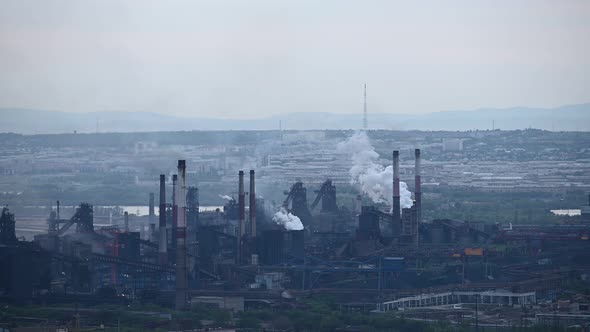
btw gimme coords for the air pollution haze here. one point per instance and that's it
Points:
(256, 59)
(375, 180)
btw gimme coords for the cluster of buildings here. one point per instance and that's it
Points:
(304, 243)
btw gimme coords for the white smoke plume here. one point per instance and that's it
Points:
(288, 220)
(226, 197)
(374, 180)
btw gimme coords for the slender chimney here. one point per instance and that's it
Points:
(152, 212)
(181, 270)
(163, 245)
(418, 189)
(242, 203)
(252, 205)
(396, 208)
(174, 212)
(126, 216)
(151, 217)
(181, 196)
(174, 201)
(357, 204)
(241, 216)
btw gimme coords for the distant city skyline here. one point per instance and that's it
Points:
(564, 118)
(245, 60)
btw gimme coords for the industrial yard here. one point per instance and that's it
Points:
(347, 228)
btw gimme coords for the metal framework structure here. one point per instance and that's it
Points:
(327, 194)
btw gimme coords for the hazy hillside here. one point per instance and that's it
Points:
(26, 121)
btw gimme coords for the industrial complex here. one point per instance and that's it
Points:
(252, 252)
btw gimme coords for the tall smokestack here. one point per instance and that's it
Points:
(418, 194)
(181, 271)
(241, 215)
(126, 216)
(152, 212)
(174, 200)
(252, 205)
(396, 208)
(152, 216)
(242, 203)
(174, 211)
(163, 242)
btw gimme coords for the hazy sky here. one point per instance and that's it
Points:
(256, 58)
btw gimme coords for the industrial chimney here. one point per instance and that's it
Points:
(163, 245)
(396, 208)
(174, 210)
(252, 205)
(126, 216)
(152, 212)
(241, 215)
(152, 216)
(181, 270)
(174, 200)
(242, 203)
(418, 194)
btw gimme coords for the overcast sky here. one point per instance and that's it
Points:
(241, 59)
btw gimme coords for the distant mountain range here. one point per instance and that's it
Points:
(564, 118)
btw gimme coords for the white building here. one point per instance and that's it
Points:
(452, 144)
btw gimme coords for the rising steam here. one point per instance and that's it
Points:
(288, 220)
(226, 197)
(374, 180)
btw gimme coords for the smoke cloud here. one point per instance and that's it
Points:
(374, 180)
(288, 220)
(226, 197)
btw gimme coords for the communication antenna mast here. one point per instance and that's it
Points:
(365, 123)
